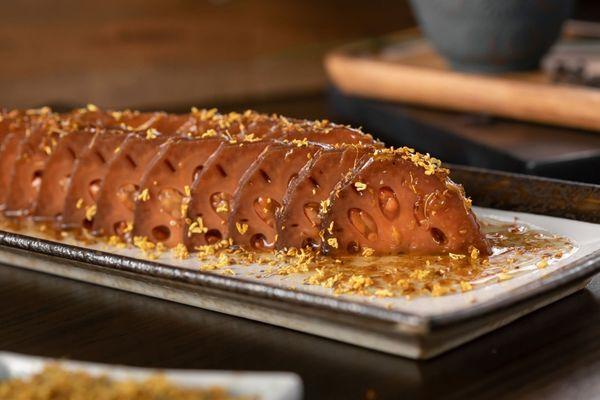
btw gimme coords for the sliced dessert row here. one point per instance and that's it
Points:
(262, 182)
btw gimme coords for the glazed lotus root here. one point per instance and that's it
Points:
(57, 173)
(28, 168)
(263, 182)
(298, 223)
(32, 166)
(120, 186)
(213, 190)
(86, 177)
(322, 132)
(161, 208)
(30, 124)
(260, 194)
(6, 120)
(91, 166)
(399, 202)
(9, 150)
(44, 135)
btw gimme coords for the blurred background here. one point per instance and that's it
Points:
(261, 54)
(173, 54)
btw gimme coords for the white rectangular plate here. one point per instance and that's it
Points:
(416, 328)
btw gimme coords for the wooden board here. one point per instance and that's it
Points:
(405, 68)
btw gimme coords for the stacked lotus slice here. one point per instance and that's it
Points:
(262, 182)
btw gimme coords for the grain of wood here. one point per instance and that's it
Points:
(50, 316)
(134, 53)
(414, 74)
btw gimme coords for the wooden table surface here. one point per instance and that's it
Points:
(551, 354)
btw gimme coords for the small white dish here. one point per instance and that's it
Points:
(419, 328)
(259, 385)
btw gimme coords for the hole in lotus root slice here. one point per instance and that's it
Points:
(100, 157)
(131, 161)
(388, 203)
(311, 211)
(213, 236)
(87, 223)
(259, 242)
(221, 170)
(265, 208)
(438, 236)
(71, 153)
(310, 243)
(170, 165)
(127, 195)
(161, 233)
(36, 180)
(353, 248)
(197, 172)
(94, 188)
(220, 203)
(363, 223)
(120, 228)
(170, 201)
(265, 176)
(54, 136)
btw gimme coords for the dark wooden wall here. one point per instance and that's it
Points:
(158, 53)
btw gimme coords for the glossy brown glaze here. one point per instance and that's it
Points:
(29, 167)
(45, 135)
(89, 170)
(172, 124)
(9, 150)
(195, 179)
(50, 201)
(86, 178)
(298, 222)
(319, 131)
(400, 202)
(161, 207)
(212, 191)
(260, 194)
(24, 126)
(121, 185)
